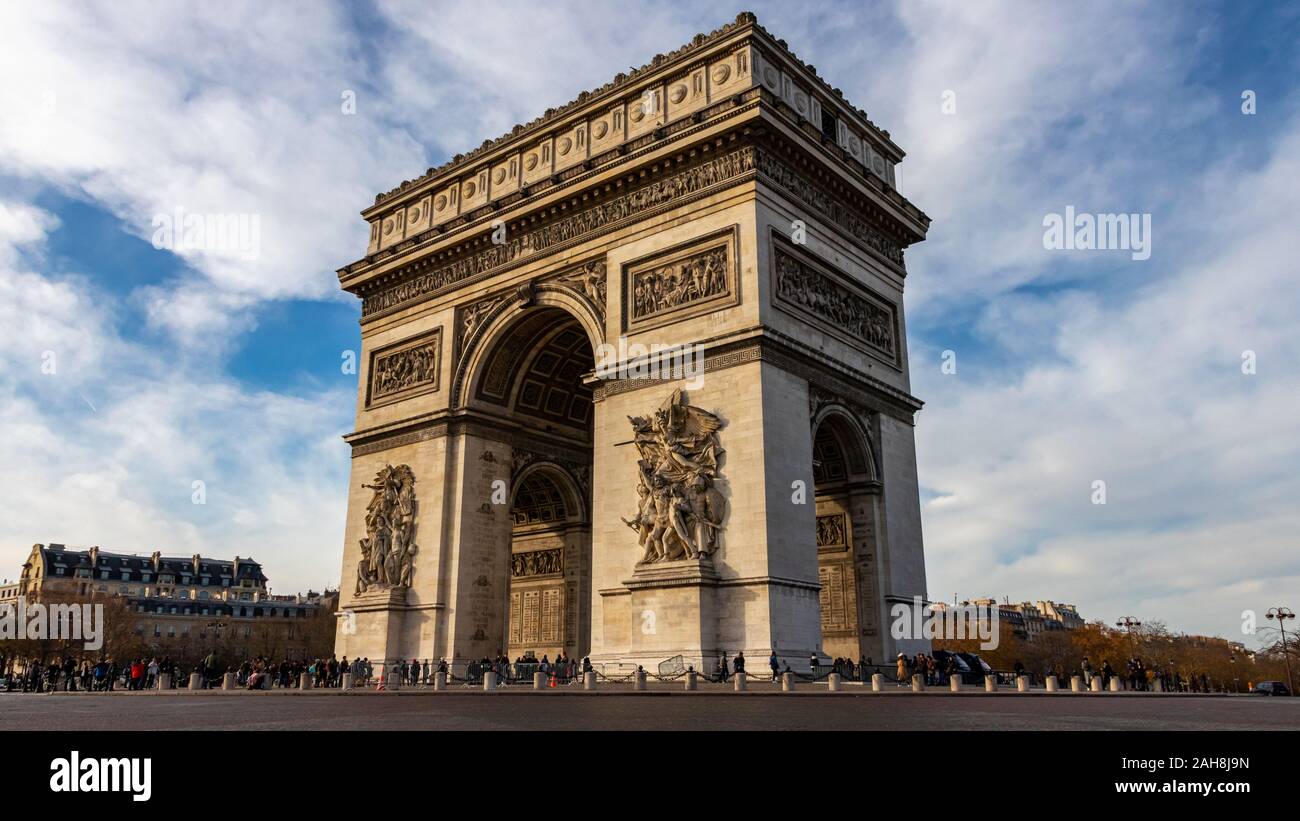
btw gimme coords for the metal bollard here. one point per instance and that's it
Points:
(391, 681)
(691, 683)
(918, 682)
(954, 684)
(539, 681)
(1096, 684)
(639, 681)
(1157, 686)
(196, 681)
(990, 684)
(164, 681)
(304, 682)
(1076, 684)
(1115, 685)
(347, 682)
(1051, 684)
(589, 680)
(877, 682)
(740, 681)
(833, 682)
(440, 680)
(490, 681)
(787, 682)
(228, 681)
(1022, 684)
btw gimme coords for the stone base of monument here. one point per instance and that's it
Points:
(374, 625)
(990, 684)
(683, 595)
(739, 682)
(1051, 684)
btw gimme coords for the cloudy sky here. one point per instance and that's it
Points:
(129, 374)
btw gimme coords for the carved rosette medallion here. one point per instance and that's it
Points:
(681, 510)
(389, 543)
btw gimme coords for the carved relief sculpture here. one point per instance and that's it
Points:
(389, 544)
(820, 295)
(589, 280)
(681, 511)
(537, 562)
(830, 530)
(670, 286)
(410, 367)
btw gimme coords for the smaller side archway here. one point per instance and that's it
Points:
(847, 493)
(548, 595)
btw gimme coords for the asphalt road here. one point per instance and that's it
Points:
(710, 710)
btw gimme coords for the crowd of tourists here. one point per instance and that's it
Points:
(67, 674)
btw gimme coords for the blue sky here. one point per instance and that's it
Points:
(1073, 367)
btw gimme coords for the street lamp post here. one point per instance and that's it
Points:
(1282, 614)
(1128, 623)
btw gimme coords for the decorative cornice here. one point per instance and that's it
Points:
(424, 278)
(625, 80)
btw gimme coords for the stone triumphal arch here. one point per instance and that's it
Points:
(634, 381)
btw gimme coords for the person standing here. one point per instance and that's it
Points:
(776, 669)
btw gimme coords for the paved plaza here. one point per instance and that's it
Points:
(663, 708)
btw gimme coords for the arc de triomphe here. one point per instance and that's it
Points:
(634, 381)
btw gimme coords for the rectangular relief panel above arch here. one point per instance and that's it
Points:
(410, 367)
(696, 277)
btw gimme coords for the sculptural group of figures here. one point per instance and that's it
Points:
(405, 369)
(693, 279)
(388, 546)
(680, 512)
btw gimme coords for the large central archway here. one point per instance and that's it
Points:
(532, 374)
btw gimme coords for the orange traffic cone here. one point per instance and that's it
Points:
(552, 679)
